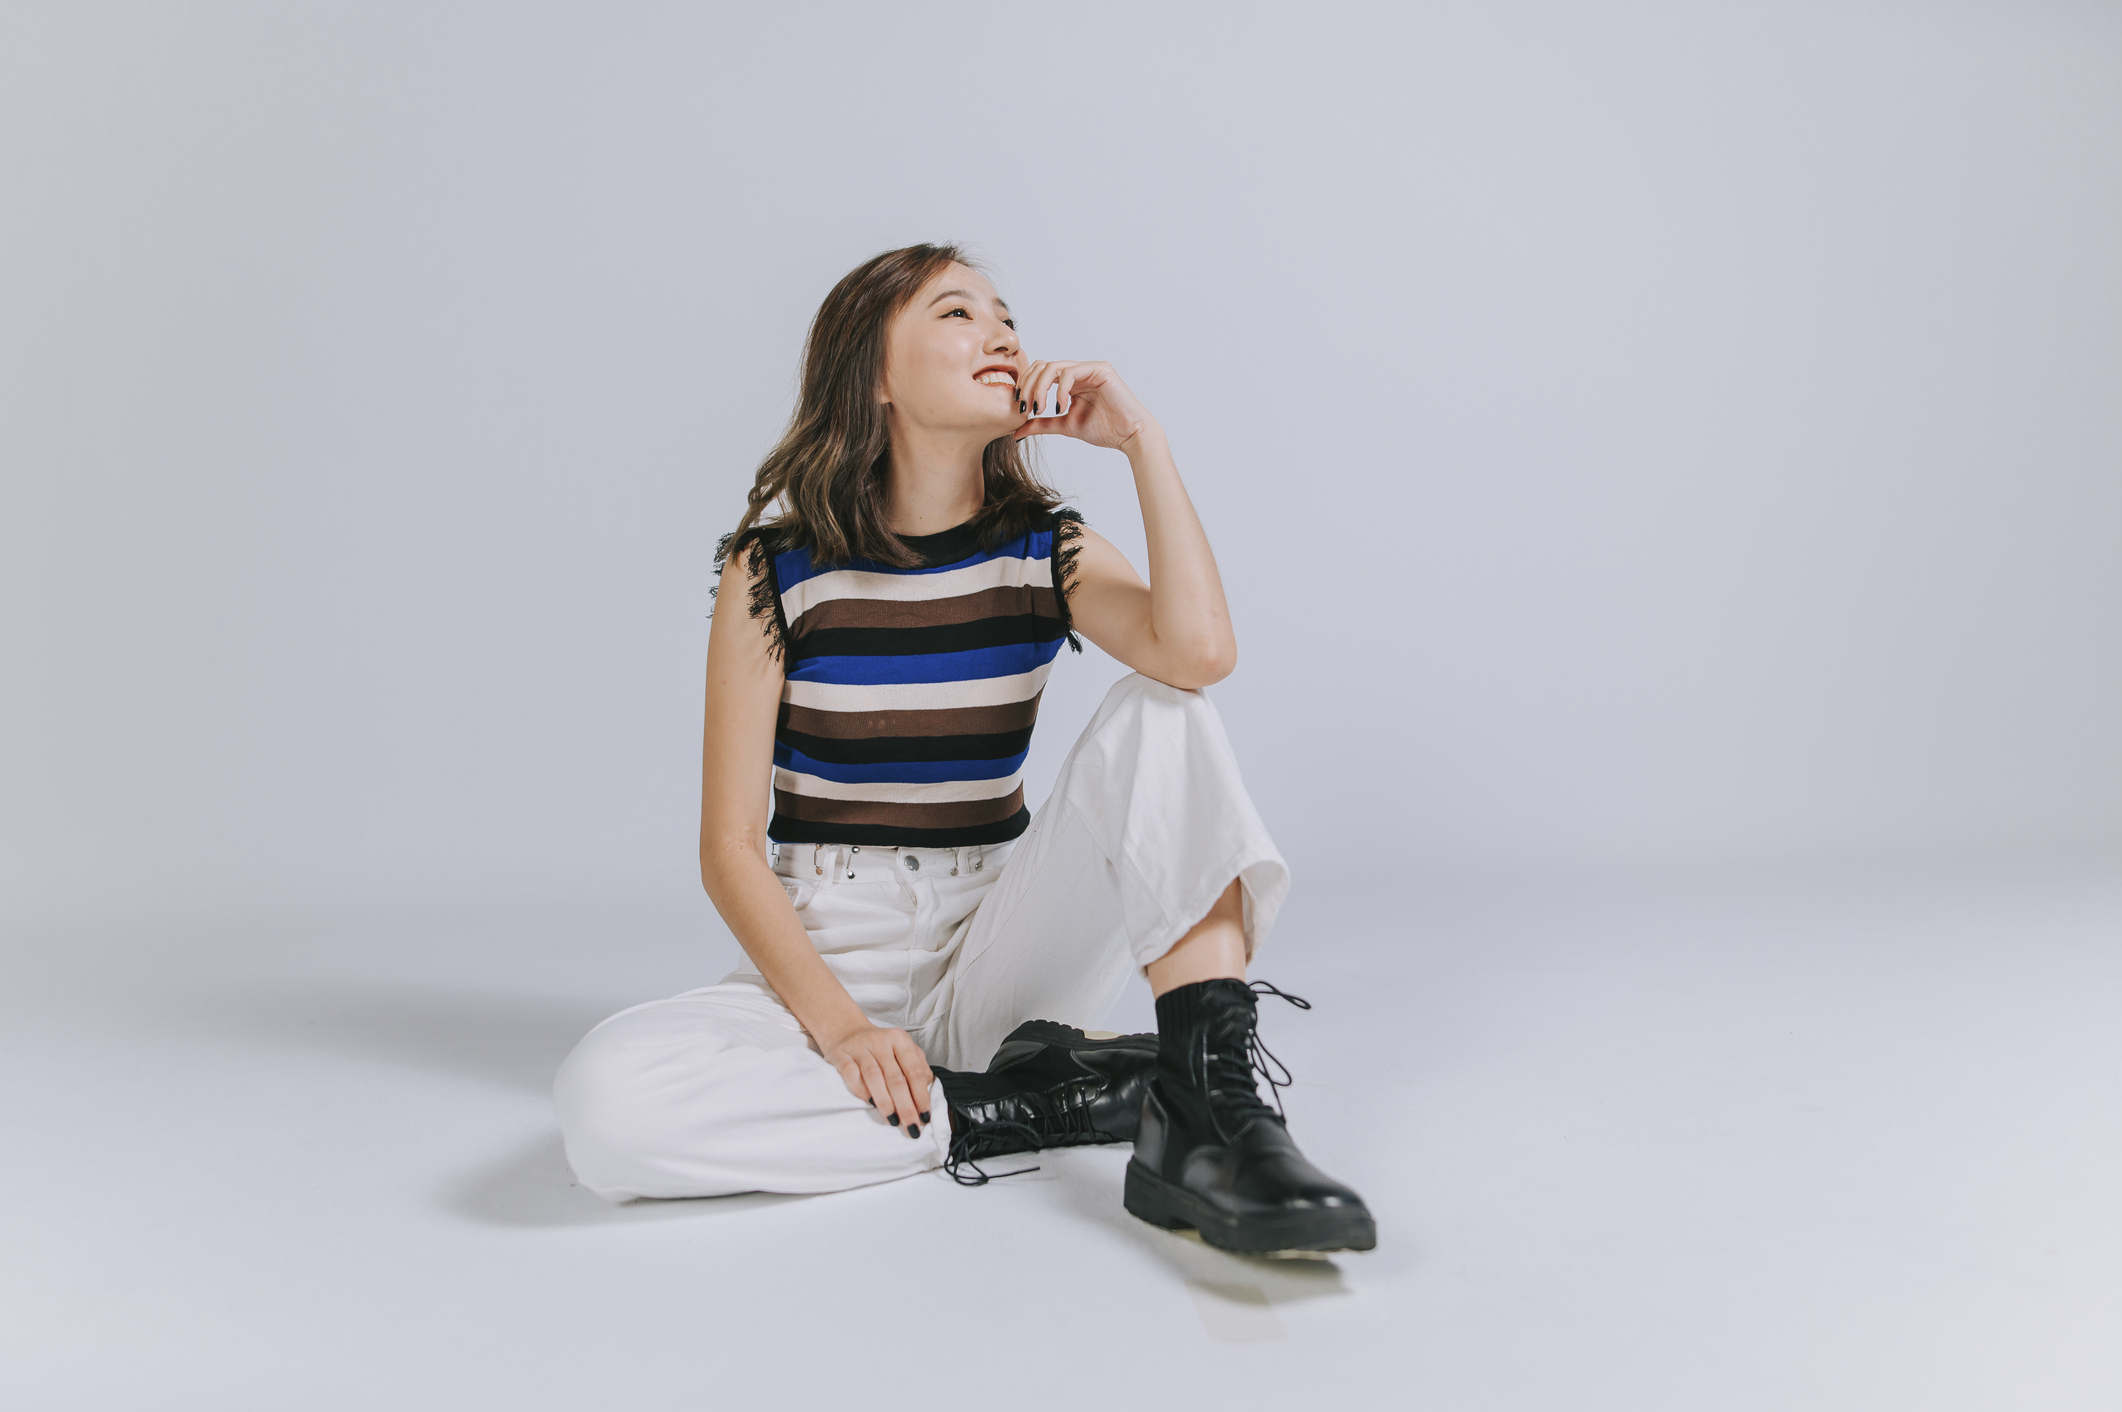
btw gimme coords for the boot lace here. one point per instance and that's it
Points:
(1052, 1116)
(1238, 1055)
(968, 1147)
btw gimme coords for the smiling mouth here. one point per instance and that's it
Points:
(996, 377)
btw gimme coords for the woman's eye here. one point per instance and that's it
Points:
(968, 314)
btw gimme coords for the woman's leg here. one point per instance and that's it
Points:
(1148, 854)
(1212, 949)
(719, 1091)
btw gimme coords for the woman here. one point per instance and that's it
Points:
(915, 921)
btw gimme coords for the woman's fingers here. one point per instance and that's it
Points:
(888, 1070)
(851, 1075)
(1067, 382)
(1049, 379)
(903, 1111)
(876, 1087)
(1064, 378)
(920, 1079)
(1085, 375)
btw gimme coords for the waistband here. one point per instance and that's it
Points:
(855, 862)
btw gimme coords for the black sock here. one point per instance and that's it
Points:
(1181, 1013)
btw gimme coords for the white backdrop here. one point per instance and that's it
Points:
(1630, 433)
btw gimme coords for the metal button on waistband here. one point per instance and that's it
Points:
(976, 864)
(913, 864)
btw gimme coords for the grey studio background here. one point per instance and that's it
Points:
(1643, 443)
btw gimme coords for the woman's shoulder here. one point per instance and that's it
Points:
(761, 543)
(753, 549)
(1058, 525)
(1056, 516)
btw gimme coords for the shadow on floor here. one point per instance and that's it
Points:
(515, 1041)
(512, 1040)
(1087, 1184)
(533, 1187)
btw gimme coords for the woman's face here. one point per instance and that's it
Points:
(951, 360)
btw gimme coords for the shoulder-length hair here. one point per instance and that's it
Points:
(828, 472)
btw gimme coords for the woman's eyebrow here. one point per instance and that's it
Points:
(963, 294)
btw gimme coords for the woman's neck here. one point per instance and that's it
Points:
(934, 481)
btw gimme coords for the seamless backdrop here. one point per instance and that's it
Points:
(1630, 433)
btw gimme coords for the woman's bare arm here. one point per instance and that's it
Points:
(1176, 627)
(744, 684)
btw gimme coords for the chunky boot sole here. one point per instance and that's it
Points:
(1151, 1198)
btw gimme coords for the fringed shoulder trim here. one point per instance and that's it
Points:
(1068, 530)
(758, 548)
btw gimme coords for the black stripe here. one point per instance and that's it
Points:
(917, 642)
(896, 749)
(782, 830)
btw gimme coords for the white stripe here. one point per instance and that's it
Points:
(917, 696)
(1006, 572)
(896, 791)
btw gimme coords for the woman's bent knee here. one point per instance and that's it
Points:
(610, 1118)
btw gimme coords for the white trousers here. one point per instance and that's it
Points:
(720, 1090)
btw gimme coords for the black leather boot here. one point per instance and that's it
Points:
(1211, 1156)
(1049, 1085)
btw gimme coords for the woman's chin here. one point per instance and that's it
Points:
(1002, 410)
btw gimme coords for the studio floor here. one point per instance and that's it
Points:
(1802, 1140)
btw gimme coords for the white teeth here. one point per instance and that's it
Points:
(997, 378)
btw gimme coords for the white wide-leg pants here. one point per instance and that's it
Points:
(719, 1090)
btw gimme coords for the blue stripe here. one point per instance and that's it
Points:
(795, 566)
(976, 665)
(899, 771)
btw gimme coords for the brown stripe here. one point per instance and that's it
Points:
(872, 813)
(1008, 601)
(871, 725)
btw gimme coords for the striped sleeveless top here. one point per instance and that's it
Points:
(909, 694)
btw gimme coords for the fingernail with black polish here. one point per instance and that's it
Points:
(924, 1115)
(870, 1101)
(893, 1120)
(914, 1130)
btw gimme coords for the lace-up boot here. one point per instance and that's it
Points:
(1211, 1155)
(1049, 1085)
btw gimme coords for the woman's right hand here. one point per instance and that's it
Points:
(886, 1067)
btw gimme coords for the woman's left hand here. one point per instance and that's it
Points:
(1102, 410)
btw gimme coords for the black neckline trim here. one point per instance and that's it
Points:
(945, 546)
